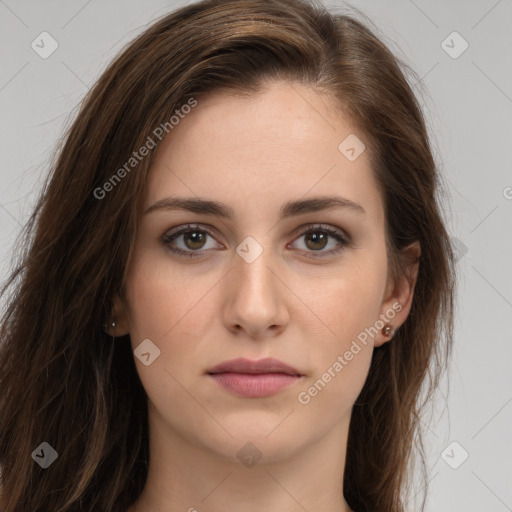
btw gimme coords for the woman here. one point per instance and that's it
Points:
(236, 280)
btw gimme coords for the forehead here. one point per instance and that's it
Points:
(279, 144)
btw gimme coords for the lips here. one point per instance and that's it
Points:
(262, 366)
(254, 379)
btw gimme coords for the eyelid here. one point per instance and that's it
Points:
(311, 226)
(296, 232)
(184, 228)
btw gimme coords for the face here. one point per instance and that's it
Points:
(303, 288)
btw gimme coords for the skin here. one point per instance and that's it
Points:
(254, 155)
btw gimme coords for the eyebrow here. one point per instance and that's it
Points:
(289, 209)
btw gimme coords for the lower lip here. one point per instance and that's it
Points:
(254, 385)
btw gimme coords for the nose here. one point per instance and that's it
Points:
(255, 297)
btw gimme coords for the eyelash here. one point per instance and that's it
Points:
(170, 237)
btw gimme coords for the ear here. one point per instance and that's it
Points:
(120, 316)
(399, 293)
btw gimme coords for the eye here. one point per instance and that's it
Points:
(316, 239)
(194, 239)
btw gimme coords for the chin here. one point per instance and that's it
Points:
(266, 441)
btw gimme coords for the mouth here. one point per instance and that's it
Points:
(254, 379)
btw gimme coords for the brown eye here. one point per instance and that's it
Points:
(193, 244)
(317, 239)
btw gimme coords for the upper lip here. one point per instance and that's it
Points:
(242, 365)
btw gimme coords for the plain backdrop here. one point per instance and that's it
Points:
(462, 53)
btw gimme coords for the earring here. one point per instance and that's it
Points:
(386, 330)
(113, 325)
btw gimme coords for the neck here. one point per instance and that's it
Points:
(183, 476)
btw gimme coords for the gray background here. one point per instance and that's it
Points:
(468, 101)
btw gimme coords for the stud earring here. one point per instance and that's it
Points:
(113, 325)
(387, 330)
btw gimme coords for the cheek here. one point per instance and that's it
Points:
(349, 300)
(347, 309)
(154, 305)
(342, 356)
(161, 298)
(165, 307)
(174, 310)
(339, 380)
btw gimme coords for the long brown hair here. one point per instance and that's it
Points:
(62, 379)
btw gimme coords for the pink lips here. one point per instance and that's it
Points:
(254, 378)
